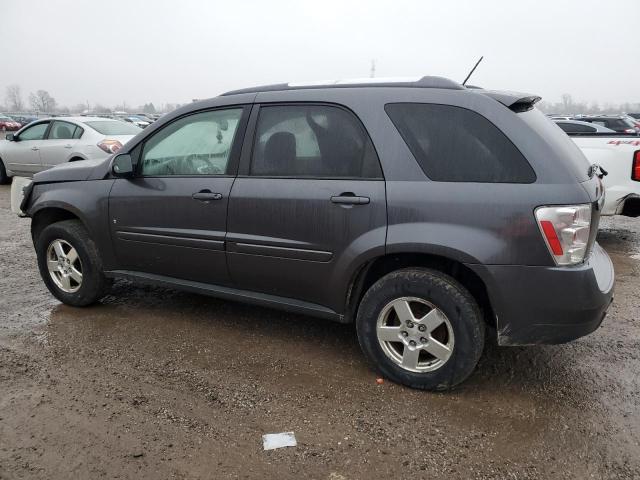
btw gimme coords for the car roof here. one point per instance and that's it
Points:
(78, 119)
(411, 82)
(516, 101)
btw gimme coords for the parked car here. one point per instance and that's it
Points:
(137, 121)
(23, 120)
(8, 124)
(146, 117)
(635, 115)
(45, 143)
(635, 122)
(619, 156)
(575, 126)
(421, 210)
(618, 123)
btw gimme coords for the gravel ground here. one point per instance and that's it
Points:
(158, 384)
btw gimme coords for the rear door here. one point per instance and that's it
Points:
(23, 155)
(59, 143)
(171, 218)
(309, 199)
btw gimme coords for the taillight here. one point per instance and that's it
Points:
(565, 230)
(635, 170)
(110, 146)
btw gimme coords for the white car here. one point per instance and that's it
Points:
(619, 155)
(46, 143)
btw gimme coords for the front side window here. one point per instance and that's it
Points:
(453, 144)
(198, 144)
(62, 131)
(314, 141)
(34, 133)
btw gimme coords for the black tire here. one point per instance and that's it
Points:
(4, 179)
(94, 284)
(448, 296)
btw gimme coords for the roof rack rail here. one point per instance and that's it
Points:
(414, 82)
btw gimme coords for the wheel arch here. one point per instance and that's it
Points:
(47, 215)
(376, 268)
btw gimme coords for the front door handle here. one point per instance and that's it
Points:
(35, 149)
(349, 198)
(206, 196)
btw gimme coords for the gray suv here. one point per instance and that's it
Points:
(423, 211)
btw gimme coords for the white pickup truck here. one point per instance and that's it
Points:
(619, 156)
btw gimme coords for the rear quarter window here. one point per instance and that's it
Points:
(453, 144)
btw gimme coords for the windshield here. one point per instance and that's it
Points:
(114, 127)
(559, 141)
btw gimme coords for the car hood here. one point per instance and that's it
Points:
(74, 171)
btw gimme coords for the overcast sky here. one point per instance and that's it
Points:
(172, 51)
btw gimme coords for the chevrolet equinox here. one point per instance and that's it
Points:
(423, 211)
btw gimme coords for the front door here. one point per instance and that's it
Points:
(171, 218)
(311, 201)
(23, 155)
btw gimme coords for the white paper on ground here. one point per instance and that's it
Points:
(272, 441)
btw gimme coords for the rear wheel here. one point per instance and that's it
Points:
(3, 174)
(70, 264)
(421, 328)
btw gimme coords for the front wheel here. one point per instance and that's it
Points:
(421, 328)
(70, 264)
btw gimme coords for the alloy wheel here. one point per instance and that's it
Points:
(64, 265)
(415, 334)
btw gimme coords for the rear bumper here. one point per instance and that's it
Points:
(549, 305)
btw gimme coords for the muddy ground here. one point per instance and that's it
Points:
(158, 384)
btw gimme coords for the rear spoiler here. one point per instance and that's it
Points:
(518, 102)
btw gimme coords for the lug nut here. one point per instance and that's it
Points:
(423, 340)
(422, 328)
(412, 343)
(409, 324)
(404, 334)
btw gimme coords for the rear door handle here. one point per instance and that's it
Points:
(68, 146)
(349, 198)
(35, 149)
(206, 196)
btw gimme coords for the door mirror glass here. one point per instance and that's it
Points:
(11, 137)
(122, 165)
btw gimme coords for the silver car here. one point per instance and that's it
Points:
(46, 143)
(575, 126)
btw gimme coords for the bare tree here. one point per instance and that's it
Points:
(567, 103)
(14, 98)
(41, 101)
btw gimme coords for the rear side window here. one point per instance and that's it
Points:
(62, 131)
(316, 141)
(453, 144)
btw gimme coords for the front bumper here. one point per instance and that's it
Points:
(549, 305)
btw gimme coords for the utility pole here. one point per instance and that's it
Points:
(372, 74)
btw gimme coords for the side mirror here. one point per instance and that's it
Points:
(11, 137)
(122, 166)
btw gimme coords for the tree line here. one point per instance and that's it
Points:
(41, 101)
